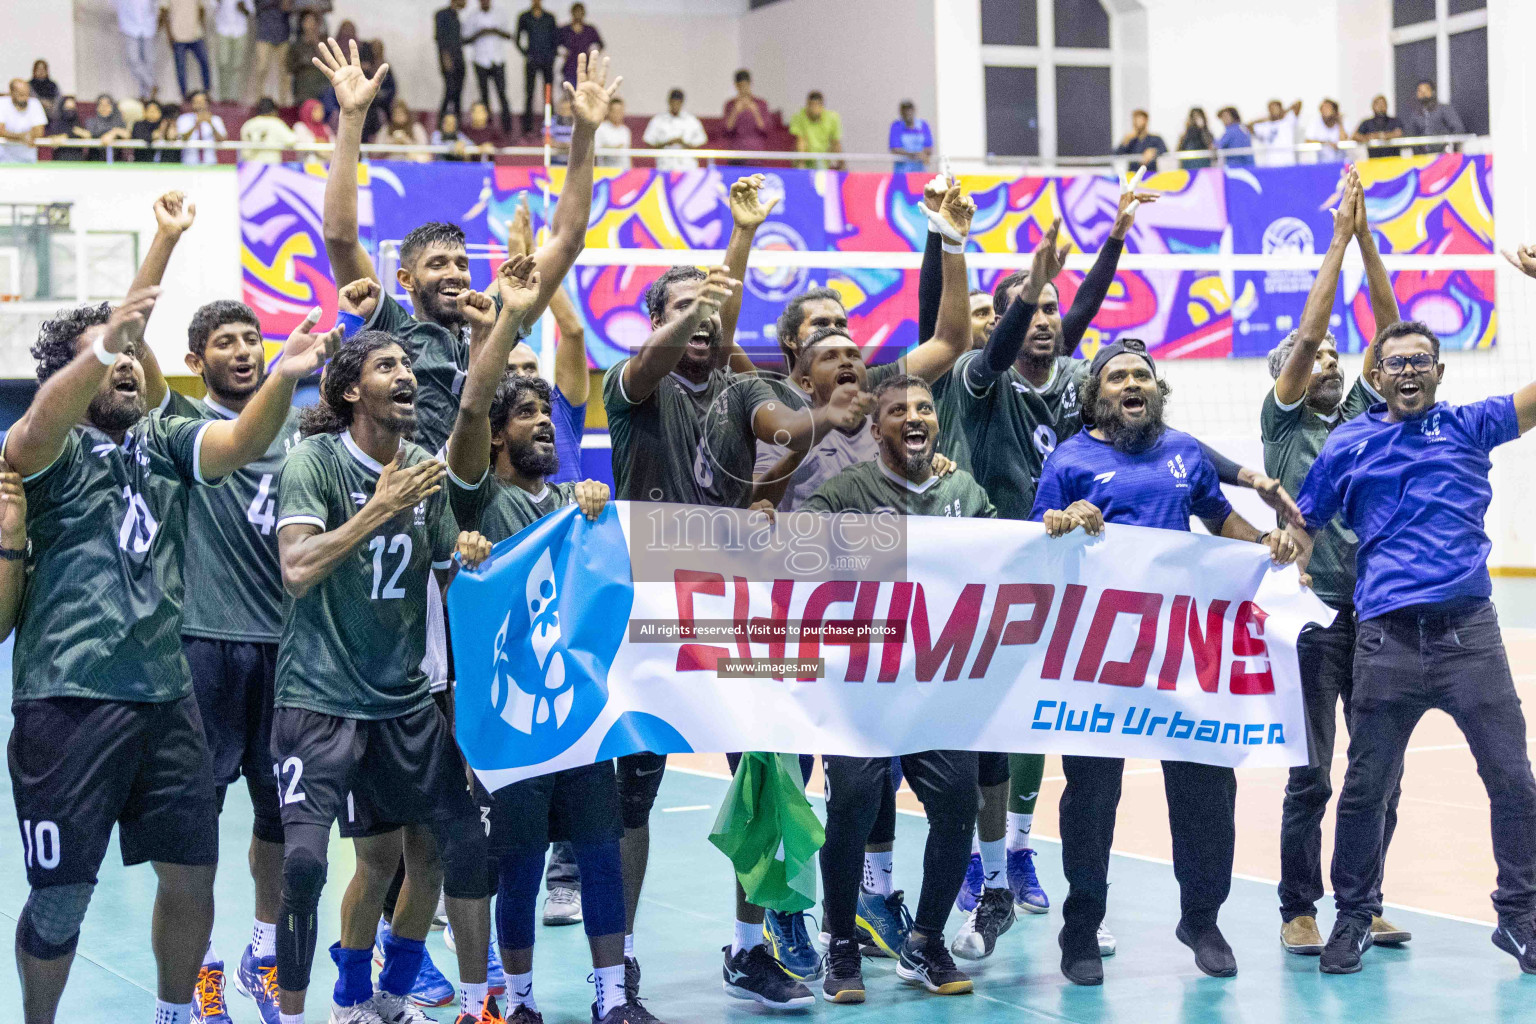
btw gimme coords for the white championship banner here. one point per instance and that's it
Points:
(679, 628)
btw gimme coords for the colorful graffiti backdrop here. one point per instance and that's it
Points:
(1430, 204)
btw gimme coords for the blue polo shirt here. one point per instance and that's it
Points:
(1415, 494)
(570, 421)
(1160, 487)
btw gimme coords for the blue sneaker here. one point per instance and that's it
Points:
(208, 998)
(495, 977)
(431, 988)
(257, 980)
(790, 943)
(883, 923)
(1028, 897)
(970, 892)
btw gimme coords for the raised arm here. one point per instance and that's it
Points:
(36, 439)
(571, 375)
(1383, 299)
(13, 547)
(354, 92)
(952, 332)
(1090, 294)
(174, 214)
(1524, 260)
(1291, 385)
(659, 354)
(930, 279)
(1009, 334)
(748, 211)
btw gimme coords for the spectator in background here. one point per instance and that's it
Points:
(1234, 136)
(480, 134)
(1379, 127)
(63, 126)
(746, 116)
(1328, 128)
(321, 9)
(447, 134)
(309, 82)
(1142, 144)
(1275, 136)
(185, 26)
(231, 24)
(200, 124)
(311, 127)
(22, 121)
(266, 128)
(613, 133)
(147, 129)
(132, 110)
(676, 129)
(346, 35)
(1197, 136)
(272, 31)
(371, 55)
(817, 130)
(449, 34)
(44, 89)
(577, 38)
(538, 40)
(138, 22)
(911, 140)
(487, 32)
(106, 124)
(1433, 118)
(404, 130)
(561, 131)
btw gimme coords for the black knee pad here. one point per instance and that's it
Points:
(49, 924)
(304, 871)
(957, 813)
(463, 850)
(303, 878)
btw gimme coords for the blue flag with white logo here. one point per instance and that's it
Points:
(534, 630)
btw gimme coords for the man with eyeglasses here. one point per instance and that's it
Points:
(1307, 403)
(1410, 478)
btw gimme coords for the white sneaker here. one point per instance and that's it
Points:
(448, 939)
(362, 1013)
(562, 906)
(393, 1009)
(1106, 942)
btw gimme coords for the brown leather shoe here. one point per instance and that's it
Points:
(1299, 935)
(1385, 933)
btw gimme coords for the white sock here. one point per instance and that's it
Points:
(290, 1018)
(994, 864)
(747, 936)
(629, 946)
(264, 939)
(610, 987)
(1018, 830)
(520, 991)
(172, 1013)
(877, 872)
(209, 956)
(472, 997)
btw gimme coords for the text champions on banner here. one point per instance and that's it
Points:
(680, 628)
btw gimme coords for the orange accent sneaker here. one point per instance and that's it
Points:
(208, 998)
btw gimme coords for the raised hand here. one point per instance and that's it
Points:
(359, 298)
(592, 497)
(126, 324)
(1362, 219)
(1523, 259)
(13, 508)
(933, 192)
(593, 92)
(1131, 197)
(747, 208)
(354, 90)
(479, 311)
(305, 352)
(957, 208)
(399, 489)
(174, 213)
(717, 287)
(472, 548)
(1344, 214)
(518, 279)
(520, 230)
(1048, 261)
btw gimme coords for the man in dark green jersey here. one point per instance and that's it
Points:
(900, 482)
(361, 524)
(1307, 402)
(107, 730)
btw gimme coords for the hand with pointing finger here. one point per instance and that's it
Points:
(305, 352)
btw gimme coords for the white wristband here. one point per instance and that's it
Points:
(943, 227)
(107, 358)
(953, 248)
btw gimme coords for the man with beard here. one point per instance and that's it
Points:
(356, 734)
(107, 730)
(901, 481)
(500, 458)
(1410, 478)
(1307, 403)
(684, 431)
(1129, 467)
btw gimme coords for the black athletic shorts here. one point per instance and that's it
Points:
(992, 769)
(80, 766)
(579, 805)
(235, 685)
(372, 776)
(639, 780)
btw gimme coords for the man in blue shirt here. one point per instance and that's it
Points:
(1129, 467)
(1234, 136)
(911, 140)
(1410, 479)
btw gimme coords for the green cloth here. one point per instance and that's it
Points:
(500, 510)
(440, 360)
(768, 830)
(869, 487)
(818, 136)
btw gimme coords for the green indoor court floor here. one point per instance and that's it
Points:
(1449, 973)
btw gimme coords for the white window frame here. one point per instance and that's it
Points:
(1440, 30)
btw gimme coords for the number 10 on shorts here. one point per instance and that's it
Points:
(40, 844)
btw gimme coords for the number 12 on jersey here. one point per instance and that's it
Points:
(400, 542)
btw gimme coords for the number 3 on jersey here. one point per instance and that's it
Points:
(400, 542)
(262, 512)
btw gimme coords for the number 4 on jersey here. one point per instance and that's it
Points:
(262, 513)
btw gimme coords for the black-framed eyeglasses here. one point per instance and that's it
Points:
(1421, 362)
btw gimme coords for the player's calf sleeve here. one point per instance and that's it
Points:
(462, 849)
(303, 877)
(602, 887)
(517, 890)
(49, 924)
(1025, 772)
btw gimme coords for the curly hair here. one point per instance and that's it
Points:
(788, 327)
(507, 392)
(333, 413)
(1088, 395)
(657, 294)
(432, 233)
(214, 315)
(59, 338)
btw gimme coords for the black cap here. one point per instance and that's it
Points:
(1133, 346)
